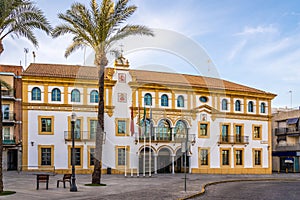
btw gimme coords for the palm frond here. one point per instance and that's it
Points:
(20, 16)
(130, 30)
(73, 47)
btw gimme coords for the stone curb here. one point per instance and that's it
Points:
(234, 180)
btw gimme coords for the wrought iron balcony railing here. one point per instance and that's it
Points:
(79, 135)
(9, 141)
(233, 139)
(165, 137)
(287, 131)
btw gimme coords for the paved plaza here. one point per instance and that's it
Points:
(159, 186)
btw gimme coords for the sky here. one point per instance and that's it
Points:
(254, 43)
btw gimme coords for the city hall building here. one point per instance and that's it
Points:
(165, 122)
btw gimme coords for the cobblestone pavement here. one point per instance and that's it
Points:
(262, 190)
(160, 186)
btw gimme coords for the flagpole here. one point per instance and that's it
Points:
(138, 140)
(125, 161)
(150, 135)
(144, 164)
(145, 128)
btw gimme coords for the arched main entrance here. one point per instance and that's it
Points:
(180, 162)
(145, 158)
(164, 161)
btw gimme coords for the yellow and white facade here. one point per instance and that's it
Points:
(228, 125)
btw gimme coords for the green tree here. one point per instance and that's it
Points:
(99, 27)
(19, 18)
(8, 87)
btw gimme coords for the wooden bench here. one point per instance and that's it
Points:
(66, 178)
(42, 178)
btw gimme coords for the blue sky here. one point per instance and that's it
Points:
(255, 43)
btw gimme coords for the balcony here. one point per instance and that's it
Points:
(6, 94)
(165, 137)
(8, 141)
(291, 131)
(79, 136)
(287, 147)
(233, 139)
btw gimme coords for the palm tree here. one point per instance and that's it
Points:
(98, 27)
(7, 86)
(19, 18)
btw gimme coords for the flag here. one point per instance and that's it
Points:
(144, 120)
(139, 121)
(151, 123)
(132, 123)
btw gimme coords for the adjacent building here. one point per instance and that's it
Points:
(12, 116)
(152, 121)
(286, 140)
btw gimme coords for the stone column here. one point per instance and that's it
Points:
(155, 163)
(173, 167)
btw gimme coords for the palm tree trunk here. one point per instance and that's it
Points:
(96, 176)
(1, 142)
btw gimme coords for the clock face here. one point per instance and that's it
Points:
(203, 99)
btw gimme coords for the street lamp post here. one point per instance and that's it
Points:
(185, 157)
(73, 187)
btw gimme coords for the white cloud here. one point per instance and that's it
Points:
(236, 50)
(257, 30)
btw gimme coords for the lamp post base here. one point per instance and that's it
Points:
(73, 187)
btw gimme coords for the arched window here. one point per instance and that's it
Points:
(75, 96)
(148, 99)
(55, 95)
(237, 105)
(164, 100)
(36, 94)
(263, 108)
(163, 131)
(94, 96)
(224, 104)
(180, 129)
(180, 101)
(250, 106)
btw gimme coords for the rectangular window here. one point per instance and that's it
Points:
(46, 125)
(77, 152)
(92, 154)
(121, 156)
(93, 129)
(122, 126)
(5, 111)
(257, 132)
(77, 129)
(238, 133)
(203, 129)
(225, 133)
(257, 157)
(239, 157)
(6, 133)
(225, 157)
(45, 156)
(204, 156)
